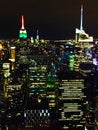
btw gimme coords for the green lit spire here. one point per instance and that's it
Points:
(23, 32)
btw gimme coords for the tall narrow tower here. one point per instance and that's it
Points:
(23, 32)
(37, 35)
(81, 19)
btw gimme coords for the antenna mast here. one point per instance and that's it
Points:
(81, 19)
(22, 27)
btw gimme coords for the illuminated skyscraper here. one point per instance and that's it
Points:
(42, 92)
(71, 100)
(12, 54)
(12, 57)
(23, 32)
(37, 35)
(83, 45)
(65, 51)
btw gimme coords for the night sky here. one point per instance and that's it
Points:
(55, 19)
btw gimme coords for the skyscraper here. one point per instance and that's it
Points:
(23, 32)
(71, 99)
(42, 91)
(83, 45)
(12, 59)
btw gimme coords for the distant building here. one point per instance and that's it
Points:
(12, 57)
(23, 32)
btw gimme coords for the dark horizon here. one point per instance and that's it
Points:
(54, 19)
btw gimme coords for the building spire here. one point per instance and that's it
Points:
(22, 23)
(81, 19)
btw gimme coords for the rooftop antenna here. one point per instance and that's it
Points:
(22, 21)
(81, 19)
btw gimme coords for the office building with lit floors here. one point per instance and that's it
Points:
(71, 101)
(40, 110)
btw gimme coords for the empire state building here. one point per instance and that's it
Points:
(23, 32)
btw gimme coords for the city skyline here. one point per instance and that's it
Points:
(54, 19)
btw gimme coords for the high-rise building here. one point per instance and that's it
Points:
(13, 54)
(83, 45)
(42, 92)
(37, 35)
(71, 101)
(23, 32)
(12, 57)
(91, 101)
(64, 50)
